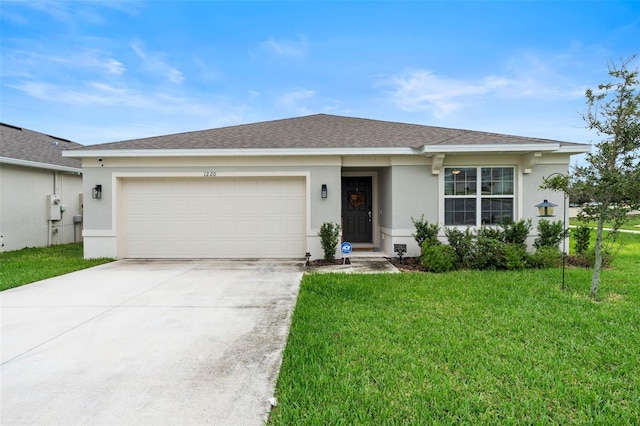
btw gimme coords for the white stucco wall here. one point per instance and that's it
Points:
(24, 211)
(404, 187)
(101, 230)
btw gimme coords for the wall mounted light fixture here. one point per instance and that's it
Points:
(96, 192)
(323, 192)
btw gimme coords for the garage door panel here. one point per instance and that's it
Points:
(213, 218)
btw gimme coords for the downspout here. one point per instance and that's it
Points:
(62, 204)
(49, 221)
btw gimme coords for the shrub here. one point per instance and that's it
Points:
(581, 234)
(425, 232)
(588, 258)
(438, 257)
(516, 232)
(491, 233)
(461, 242)
(581, 260)
(545, 257)
(329, 235)
(515, 256)
(488, 252)
(549, 233)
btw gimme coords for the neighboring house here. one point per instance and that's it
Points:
(40, 191)
(263, 190)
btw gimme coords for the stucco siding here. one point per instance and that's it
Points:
(101, 229)
(404, 187)
(24, 211)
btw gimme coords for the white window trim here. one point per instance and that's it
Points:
(478, 195)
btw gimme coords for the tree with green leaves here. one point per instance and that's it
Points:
(611, 176)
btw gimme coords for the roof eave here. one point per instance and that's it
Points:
(246, 152)
(27, 163)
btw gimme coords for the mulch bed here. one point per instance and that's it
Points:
(322, 262)
(408, 264)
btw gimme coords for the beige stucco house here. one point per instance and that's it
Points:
(40, 191)
(263, 190)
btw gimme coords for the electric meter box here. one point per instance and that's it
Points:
(55, 213)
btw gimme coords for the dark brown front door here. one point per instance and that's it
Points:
(356, 209)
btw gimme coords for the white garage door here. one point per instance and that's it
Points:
(218, 217)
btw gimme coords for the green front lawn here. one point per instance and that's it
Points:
(465, 347)
(33, 264)
(632, 224)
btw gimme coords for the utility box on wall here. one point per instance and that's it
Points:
(55, 213)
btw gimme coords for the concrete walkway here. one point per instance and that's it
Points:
(147, 343)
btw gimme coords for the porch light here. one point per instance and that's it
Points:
(96, 192)
(545, 208)
(323, 191)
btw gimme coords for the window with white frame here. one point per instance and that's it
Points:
(475, 196)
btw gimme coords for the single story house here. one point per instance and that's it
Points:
(40, 190)
(263, 190)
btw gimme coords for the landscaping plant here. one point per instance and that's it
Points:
(425, 231)
(610, 176)
(438, 257)
(550, 233)
(581, 235)
(329, 236)
(516, 232)
(461, 242)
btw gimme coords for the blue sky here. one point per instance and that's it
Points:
(94, 71)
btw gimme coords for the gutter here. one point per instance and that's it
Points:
(27, 163)
(270, 152)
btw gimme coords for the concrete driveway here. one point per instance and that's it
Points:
(147, 342)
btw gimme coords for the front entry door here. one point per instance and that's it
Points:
(356, 209)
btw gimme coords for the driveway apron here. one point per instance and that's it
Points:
(147, 342)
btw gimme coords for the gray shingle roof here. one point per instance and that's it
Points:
(321, 131)
(23, 144)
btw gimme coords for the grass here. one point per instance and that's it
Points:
(28, 265)
(470, 347)
(632, 224)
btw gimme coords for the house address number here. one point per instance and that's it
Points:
(209, 174)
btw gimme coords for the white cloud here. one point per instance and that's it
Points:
(286, 48)
(114, 67)
(175, 76)
(154, 62)
(90, 59)
(422, 90)
(526, 77)
(291, 101)
(48, 61)
(98, 94)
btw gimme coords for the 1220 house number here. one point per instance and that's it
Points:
(209, 174)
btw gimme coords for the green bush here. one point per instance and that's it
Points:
(329, 235)
(545, 257)
(549, 233)
(488, 252)
(581, 234)
(425, 232)
(491, 233)
(516, 232)
(515, 256)
(461, 242)
(607, 256)
(588, 258)
(438, 257)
